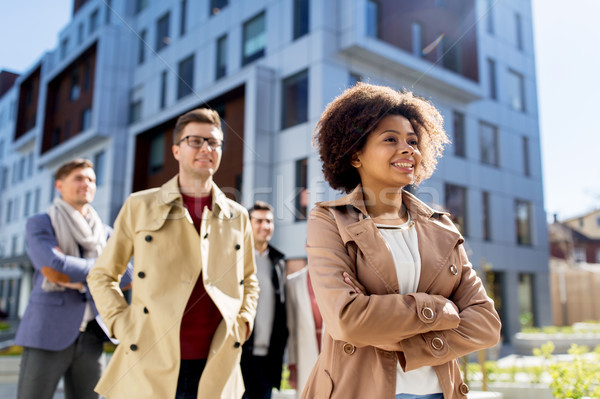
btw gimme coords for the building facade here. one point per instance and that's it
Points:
(125, 70)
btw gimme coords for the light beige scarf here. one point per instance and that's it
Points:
(74, 231)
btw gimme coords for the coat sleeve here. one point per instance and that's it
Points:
(248, 308)
(291, 306)
(45, 257)
(363, 320)
(104, 278)
(479, 326)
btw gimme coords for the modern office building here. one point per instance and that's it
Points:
(123, 71)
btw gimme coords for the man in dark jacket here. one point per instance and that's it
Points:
(262, 355)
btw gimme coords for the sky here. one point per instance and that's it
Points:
(566, 39)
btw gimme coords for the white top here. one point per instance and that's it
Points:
(403, 244)
(265, 309)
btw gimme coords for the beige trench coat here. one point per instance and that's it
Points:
(169, 255)
(366, 335)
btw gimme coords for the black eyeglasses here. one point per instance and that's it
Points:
(198, 141)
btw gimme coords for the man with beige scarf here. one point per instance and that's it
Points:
(60, 331)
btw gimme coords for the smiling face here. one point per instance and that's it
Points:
(198, 163)
(78, 187)
(390, 155)
(262, 226)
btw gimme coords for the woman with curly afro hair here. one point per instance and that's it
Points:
(399, 299)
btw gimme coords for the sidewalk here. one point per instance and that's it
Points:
(9, 374)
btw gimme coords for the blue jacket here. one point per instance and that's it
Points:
(52, 319)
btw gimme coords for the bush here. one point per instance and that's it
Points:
(574, 379)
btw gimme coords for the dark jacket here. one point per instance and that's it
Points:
(279, 333)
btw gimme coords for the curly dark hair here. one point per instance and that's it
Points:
(348, 120)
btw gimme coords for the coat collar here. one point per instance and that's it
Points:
(171, 195)
(355, 198)
(437, 236)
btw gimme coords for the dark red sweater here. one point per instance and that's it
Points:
(201, 316)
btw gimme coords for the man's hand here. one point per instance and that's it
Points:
(72, 286)
(247, 331)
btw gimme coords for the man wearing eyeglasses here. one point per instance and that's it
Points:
(195, 288)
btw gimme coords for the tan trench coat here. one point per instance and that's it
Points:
(366, 335)
(169, 254)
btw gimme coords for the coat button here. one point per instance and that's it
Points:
(141, 274)
(349, 348)
(427, 313)
(133, 347)
(453, 270)
(242, 282)
(237, 247)
(148, 238)
(236, 345)
(145, 310)
(464, 388)
(206, 235)
(437, 343)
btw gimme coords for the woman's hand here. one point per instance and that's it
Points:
(352, 284)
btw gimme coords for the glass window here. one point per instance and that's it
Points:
(108, 11)
(80, 33)
(526, 168)
(490, 16)
(217, 5)
(30, 164)
(221, 67)
(75, 90)
(163, 89)
(459, 134)
(598, 224)
(140, 5)
(157, 154)
(9, 210)
(372, 16)
(417, 39)
(27, 206)
(22, 169)
(94, 21)
(456, 204)
(255, 39)
(579, 254)
(13, 246)
(295, 100)
(450, 51)
(185, 78)
(516, 91)
(301, 18)
(87, 74)
(598, 256)
(135, 111)
(4, 179)
(86, 119)
(64, 46)
(523, 222)
(488, 144)
(301, 204)
(485, 208)
(142, 47)
(99, 161)
(182, 19)
(162, 32)
(36, 200)
(519, 31)
(493, 91)
(525, 293)
(354, 78)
